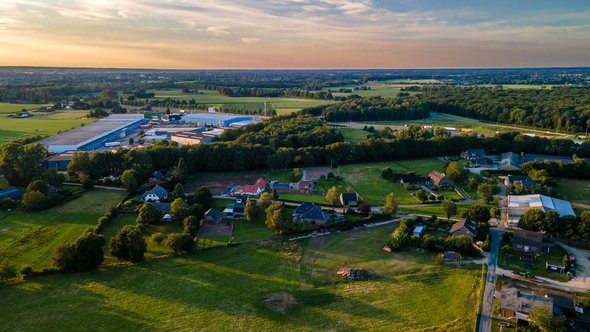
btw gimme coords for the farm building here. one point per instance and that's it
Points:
(517, 305)
(349, 199)
(527, 241)
(519, 204)
(190, 138)
(464, 227)
(215, 119)
(95, 135)
(416, 180)
(60, 161)
(251, 189)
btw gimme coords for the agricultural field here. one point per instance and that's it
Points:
(575, 190)
(8, 108)
(273, 286)
(389, 88)
(29, 238)
(366, 179)
(214, 98)
(44, 124)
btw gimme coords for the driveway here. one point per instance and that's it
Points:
(487, 307)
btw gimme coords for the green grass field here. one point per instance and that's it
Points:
(354, 135)
(8, 108)
(214, 98)
(366, 179)
(29, 238)
(510, 260)
(289, 286)
(44, 124)
(575, 190)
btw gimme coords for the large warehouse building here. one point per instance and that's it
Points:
(215, 119)
(519, 204)
(95, 135)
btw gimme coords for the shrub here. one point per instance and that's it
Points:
(178, 242)
(34, 201)
(157, 238)
(149, 215)
(128, 244)
(7, 271)
(85, 254)
(26, 270)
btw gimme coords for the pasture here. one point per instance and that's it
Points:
(8, 108)
(29, 238)
(44, 124)
(354, 135)
(274, 286)
(575, 190)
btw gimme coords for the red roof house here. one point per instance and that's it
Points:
(253, 189)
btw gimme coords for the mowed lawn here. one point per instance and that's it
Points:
(283, 286)
(8, 108)
(29, 238)
(44, 124)
(354, 135)
(366, 179)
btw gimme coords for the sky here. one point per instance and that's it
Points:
(294, 34)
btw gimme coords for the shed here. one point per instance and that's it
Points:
(419, 230)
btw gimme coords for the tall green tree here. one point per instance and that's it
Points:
(450, 208)
(149, 215)
(391, 205)
(178, 191)
(332, 196)
(85, 254)
(129, 181)
(128, 243)
(21, 164)
(478, 214)
(204, 197)
(275, 218)
(181, 170)
(179, 209)
(180, 242)
(80, 164)
(487, 191)
(251, 210)
(456, 172)
(191, 225)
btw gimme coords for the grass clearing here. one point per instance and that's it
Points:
(8, 108)
(510, 260)
(575, 190)
(290, 286)
(354, 135)
(29, 238)
(44, 124)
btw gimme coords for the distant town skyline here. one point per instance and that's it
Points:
(294, 34)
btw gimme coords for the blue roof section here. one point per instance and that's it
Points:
(158, 191)
(11, 192)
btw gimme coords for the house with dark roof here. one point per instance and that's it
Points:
(11, 193)
(510, 161)
(464, 227)
(527, 241)
(156, 194)
(440, 179)
(212, 216)
(349, 199)
(309, 213)
(280, 187)
(163, 208)
(509, 180)
(473, 154)
(563, 305)
(236, 209)
(415, 180)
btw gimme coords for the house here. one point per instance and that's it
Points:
(306, 187)
(349, 199)
(563, 305)
(155, 195)
(163, 208)
(510, 161)
(280, 187)
(515, 304)
(473, 155)
(509, 180)
(236, 209)
(158, 176)
(440, 179)
(527, 241)
(308, 213)
(419, 230)
(415, 180)
(252, 189)
(519, 204)
(451, 256)
(212, 216)
(167, 217)
(464, 227)
(486, 162)
(11, 193)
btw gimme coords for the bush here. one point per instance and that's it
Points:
(178, 242)
(128, 244)
(157, 238)
(149, 215)
(85, 254)
(86, 181)
(26, 270)
(34, 201)
(7, 271)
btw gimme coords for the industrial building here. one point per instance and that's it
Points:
(60, 161)
(519, 204)
(215, 119)
(94, 136)
(189, 138)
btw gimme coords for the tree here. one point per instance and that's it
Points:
(20, 164)
(86, 181)
(455, 171)
(191, 225)
(34, 201)
(85, 254)
(391, 205)
(53, 178)
(129, 181)
(265, 200)
(7, 271)
(495, 212)
(532, 220)
(478, 214)
(178, 191)
(180, 242)
(421, 195)
(364, 209)
(296, 175)
(543, 319)
(178, 209)
(487, 191)
(204, 197)
(387, 173)
(332, 196)
(584, 226)
(181, 170)
(275, 217)
(131, 141)
(251, 210)
(148, 215)
(450, 208)
(80, 163)
(128, 243)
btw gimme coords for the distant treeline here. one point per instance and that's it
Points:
(403, 107)
(192, 104)
(562, 108)
(273, 93)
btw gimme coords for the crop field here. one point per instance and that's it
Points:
(214, 98)
(8, 108)
(29, 238)
(366, 179)
(274, 286)
(44, 124)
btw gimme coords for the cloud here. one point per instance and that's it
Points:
(248, 40)
(217, 30)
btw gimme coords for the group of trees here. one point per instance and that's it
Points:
(371, 109)
(550, 222)
(578, 169)
(276, 92)
(562, 108)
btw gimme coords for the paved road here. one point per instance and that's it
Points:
(487, 306)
